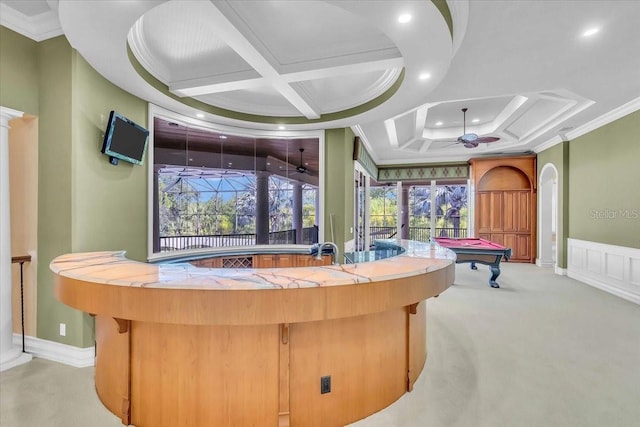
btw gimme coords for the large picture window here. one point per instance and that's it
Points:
(214, 188)
(443, 203)
(430, 207)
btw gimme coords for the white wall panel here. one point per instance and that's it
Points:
(614, 266)
(634, 271)
(614, 269)
(593, 260)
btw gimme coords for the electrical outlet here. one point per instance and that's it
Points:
(325, 384)
(63, 329)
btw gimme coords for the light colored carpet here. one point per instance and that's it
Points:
(542, 350)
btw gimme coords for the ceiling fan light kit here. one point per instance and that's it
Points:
(472, 140)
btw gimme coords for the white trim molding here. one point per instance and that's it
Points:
(544, 263)
(594, 124)
(561, 271)
(614, 269)
(57, 352)
(38, 27)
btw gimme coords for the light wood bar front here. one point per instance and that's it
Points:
(178, 345)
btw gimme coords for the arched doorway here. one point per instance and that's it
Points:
(547, 216)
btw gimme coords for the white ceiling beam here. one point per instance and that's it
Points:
(392, 134)
(355, 67)
(235, 39)
(421, 118)
(248, 79)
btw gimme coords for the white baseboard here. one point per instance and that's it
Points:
(561, 271)
(605, 287)
(544, 263)
(614, 269)
(13, 357)
(62, 353)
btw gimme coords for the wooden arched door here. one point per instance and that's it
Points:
(505, 203)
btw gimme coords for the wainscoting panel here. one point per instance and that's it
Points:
(614, 269)
(593, 260)
(635, 271)
(614, 266)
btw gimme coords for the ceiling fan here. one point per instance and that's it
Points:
(301, 167)
(472, 140)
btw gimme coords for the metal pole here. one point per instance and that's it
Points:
(22, 303)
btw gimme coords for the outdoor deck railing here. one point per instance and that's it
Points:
(421, 234)
(309, 237)
(175, 243)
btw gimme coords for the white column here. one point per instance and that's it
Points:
(10, 355)
(434, 210)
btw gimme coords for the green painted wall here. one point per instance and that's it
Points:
(18, 72)
(604, 182)
(339, 186)
(558, 155)
(109, 203)
(54, 184)
(84, 203)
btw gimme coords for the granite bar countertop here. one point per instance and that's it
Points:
(113, 268)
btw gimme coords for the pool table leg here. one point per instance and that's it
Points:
(495, 272)
(474, 266)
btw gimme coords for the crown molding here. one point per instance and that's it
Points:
(548, 144)
(38, 28)
(605, 119)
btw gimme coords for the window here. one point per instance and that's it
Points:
(448, 215)
(207, 184)
(383, 210)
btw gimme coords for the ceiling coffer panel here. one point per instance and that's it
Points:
(295, 33)
(181, 39)
(540, 111)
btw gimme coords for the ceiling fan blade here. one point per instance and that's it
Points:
(486, 139)
(471, 144)
(472, 140)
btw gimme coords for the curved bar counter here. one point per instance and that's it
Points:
(178, 345)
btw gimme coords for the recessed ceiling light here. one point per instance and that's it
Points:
(404, 18)
(223, 136)
(424, 76)
(200, 115)
(281, 128)
(590, 32)
(438, 123)
(475, 120)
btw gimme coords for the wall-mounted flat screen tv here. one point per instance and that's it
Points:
(124, 139)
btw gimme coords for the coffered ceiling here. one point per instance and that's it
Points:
(527, 71)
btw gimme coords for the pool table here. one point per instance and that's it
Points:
(475, 250)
